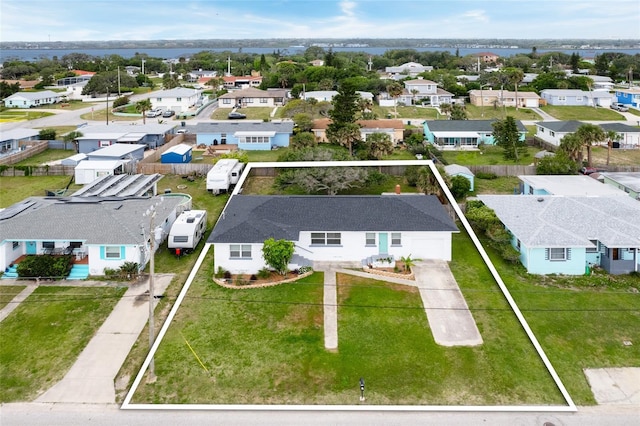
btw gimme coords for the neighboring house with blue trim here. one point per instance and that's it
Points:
(577, 97)
(628, 182)
(630, 97)
(457, 170)
(461, 134)
(246, 135)
(567, 234)
(181, 153)
(32, 99)
(569, 185)
(100, 232)
(353, 229)
(95, 137)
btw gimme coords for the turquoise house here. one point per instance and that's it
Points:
(555, 235)
(461, 134)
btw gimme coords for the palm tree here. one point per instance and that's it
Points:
(572, 145)
(590, 134)
(515, 77)
(394, 90)
(71, 137)
(414, 92)
(143, 106)
(612, 137)
(446, 109)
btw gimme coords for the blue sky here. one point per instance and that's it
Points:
(69, 20)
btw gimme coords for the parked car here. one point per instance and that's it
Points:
(154, 113)
(588, 170)
(236, 116)
(619, 107)
(168, 113)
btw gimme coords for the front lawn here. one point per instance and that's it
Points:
(252, 113)
(42, 338)
(8, 292)
(581, 113)
(489, 112)
(265, 346)
(11, 115)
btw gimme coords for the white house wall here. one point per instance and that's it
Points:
(132, 253)
(419, 245)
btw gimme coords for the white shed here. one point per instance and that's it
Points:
(87, 171)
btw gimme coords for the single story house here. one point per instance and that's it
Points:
(118, 151)
(393, 128)
(463, 134)
(331, 228)
(88, 171)
(458, 170)
(327, 95)
(181, 153)
(630, 97)
(22, 84)
(248, 136)
(99, 136)
(629, 182)
(552, 132)
(499, 98)
(32, 99)
(577, 97)
(253, 97)
(102, 232)
(179, 99)
(569, 234)
(567, 185)
(10, 139)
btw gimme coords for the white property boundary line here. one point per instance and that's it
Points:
(570, 407)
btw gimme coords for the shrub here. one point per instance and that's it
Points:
(460, 187)
(47, 134)
(253, 278)
(411, 174)
(264, 273)
(304, 269)
(45, 267)
(122, 100)
(227, 275)
(486, 175)
(220, 272)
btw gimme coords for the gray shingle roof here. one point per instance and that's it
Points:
(483, 126)
(573, 125)
(237, 126)
(92, 220)
(253, 219)
(558, 221)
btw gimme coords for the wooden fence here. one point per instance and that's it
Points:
(56, 170)
(31, 148)
(174, 169)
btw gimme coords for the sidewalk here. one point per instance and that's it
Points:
(91, 378)
(9, 307)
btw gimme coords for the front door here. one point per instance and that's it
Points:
(31, 247)
(383, 246)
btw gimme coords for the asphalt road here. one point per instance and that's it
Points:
(33, 414)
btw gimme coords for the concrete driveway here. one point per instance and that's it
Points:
(91, 378)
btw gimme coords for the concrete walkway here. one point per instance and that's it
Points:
(91, 378)
(615, 386)
(9, 307)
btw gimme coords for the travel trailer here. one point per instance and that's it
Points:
(187, 231)
(224, 174)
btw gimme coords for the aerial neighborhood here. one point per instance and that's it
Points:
(452, 230)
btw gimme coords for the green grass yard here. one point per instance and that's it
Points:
(265, 346)
(490, 155)
(581, 113)
(41, 339)
(46, 157)
(17, 188)
(8, 292)
(12, 115)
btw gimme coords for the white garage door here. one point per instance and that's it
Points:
(427, 248)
